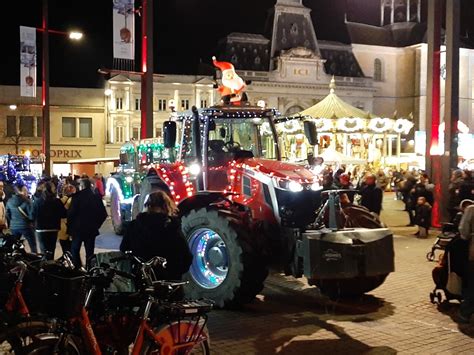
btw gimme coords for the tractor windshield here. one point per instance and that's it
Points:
(253, 135)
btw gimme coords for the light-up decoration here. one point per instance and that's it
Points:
(350, 124)
(261, 103)
(207, 271)
(403, 126)
(289, 127)
(379, 124)
(233, 86)
(194, 169)
(265, 129)
(323, 124)
(462, 128)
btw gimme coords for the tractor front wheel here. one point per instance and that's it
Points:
(115, 211)
(225, 267)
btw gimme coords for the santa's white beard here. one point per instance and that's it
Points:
(235, 84)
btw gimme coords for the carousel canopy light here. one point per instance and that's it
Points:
(403, 125)
(380, 125)
(350, 124)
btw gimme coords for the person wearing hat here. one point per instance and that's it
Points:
(232, 84)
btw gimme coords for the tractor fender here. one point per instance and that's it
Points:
(203, 199)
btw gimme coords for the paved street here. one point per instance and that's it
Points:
(289, 317)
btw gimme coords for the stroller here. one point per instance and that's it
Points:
(448, 234)
(448, 274)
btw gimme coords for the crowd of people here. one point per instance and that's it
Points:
(69, 208)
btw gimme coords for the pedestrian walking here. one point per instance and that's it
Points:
(47, 212)
(63, 235)
(85, 216)
(157, 232)
(3, 217)
(19, 213)
(371, 195)
(422, 217)
(99, 186)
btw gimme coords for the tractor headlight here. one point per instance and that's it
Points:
(129, 179)
(316, 187)
(294, 186)
(194, 169)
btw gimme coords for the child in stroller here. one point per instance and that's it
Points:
(449, 231)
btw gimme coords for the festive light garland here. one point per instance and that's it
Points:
(403, 125)
(379, 124)
(323, 124)
(350, 124)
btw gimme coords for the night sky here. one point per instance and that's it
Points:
(186, 32)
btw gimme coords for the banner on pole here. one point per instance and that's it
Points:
(124, 29)
(27, 61)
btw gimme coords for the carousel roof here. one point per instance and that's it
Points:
(332, 106)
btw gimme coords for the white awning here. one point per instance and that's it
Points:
(93, 160)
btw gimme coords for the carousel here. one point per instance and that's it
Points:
(343, 131)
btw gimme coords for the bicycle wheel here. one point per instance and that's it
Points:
(14, 338)
(170, 335)
(49, 347)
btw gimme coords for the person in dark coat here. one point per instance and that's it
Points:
(157, 232)
(422, 217)
(47, 213)
(466, 188)
(19, 213)
(84, 218)
(371, 195)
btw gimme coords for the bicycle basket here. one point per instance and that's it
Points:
(64, 292)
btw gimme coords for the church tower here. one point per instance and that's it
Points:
(290, 26)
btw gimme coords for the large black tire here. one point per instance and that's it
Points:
(48, 346)
(115, 212)
(350, 288)
(240, 269)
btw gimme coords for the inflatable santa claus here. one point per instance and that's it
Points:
(232, 88)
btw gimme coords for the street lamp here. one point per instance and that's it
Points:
(12, 107)
(46, 142)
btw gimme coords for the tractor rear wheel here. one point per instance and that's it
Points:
(225, 268)
(350, 288)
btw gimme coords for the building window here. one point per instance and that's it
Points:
(39, 126)
(378, 70)
(136, 132)
(26, 126)
(203, 103)
(11, 126)
(138, 104)
(161, 105)
(118, 103)
(119, 134)
(185, 104)
(157, 131)
(69, 127)
(85, 127)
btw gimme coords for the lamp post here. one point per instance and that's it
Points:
(46, 139)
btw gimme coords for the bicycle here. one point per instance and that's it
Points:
(171, 327)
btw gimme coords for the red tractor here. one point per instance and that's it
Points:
(243, 209)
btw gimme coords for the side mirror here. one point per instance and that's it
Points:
(310, 132)
(169, 134)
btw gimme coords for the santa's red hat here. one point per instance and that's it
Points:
(222, 65)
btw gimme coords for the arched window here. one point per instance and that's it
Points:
(378, 75)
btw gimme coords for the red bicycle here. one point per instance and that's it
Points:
(164, 326)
